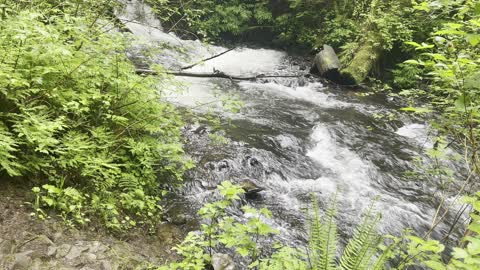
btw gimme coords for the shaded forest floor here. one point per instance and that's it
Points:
(28, 243)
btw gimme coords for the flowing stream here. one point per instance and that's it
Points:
(294, 137)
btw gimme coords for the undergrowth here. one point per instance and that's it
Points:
(95, 138)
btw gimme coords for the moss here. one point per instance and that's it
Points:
(363, 61)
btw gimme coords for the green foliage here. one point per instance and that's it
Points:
(211, 18)
(428, 253)
(366, 249)
(220, 230)
(449, 65)
(76, 118)
(323, 238)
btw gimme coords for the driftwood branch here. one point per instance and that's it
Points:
(207, 59)
(217, 75)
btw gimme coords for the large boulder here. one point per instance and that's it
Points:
(327, 63)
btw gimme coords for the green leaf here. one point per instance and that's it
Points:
(461, 103)
(473, 39)
(459, 253)
(416, 110)
(435, 265)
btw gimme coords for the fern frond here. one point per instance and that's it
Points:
(385, 255)
(362, 247)
(323, 238)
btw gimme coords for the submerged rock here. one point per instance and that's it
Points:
(250, 187)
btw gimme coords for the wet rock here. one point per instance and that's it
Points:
(201, 130)
(209, 166)
(168, 233)
(179, 219)
(250, 187)
(254, 162)
(222, 165)
(327, 62)
(222, 261)
(208, 185)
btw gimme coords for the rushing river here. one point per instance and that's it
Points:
(294, 137)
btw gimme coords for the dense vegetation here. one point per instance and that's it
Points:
(77, 121)
(98, 142)
(367, 33)
(366, 250)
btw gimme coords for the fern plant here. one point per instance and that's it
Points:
(76, 119)
(364, 251)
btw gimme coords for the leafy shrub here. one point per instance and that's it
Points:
(75, 117)
(364, 251)
(211, 18)
(220, 230)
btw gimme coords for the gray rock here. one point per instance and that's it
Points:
(97, 247)
(7, 246)
(250, 187)
(23, 260)
(89, 258)
(105, 265)
(52, 250)
(75, 252)
(57, 236)
(63, 250)
(327, 61)
(222, 261)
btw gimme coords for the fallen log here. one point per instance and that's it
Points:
(207, 59)
(217, 75)
(363, 61)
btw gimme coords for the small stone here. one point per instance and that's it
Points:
(97, 247)
(75, 252)
(250, 187)
(57, 236)
(37, 264)
(106, 265)
(222, 261)
(90, 258)
(43, 239)
(62, 250)
(52, 250)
